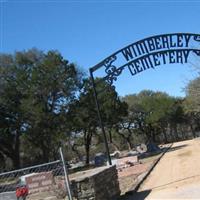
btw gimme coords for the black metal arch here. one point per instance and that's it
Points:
(145, 47)
(142, 55)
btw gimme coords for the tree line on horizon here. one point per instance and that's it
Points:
(47, 102)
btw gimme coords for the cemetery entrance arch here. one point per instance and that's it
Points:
(149, 53)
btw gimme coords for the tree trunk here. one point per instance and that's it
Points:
(182, 132)
(16, 157)
(130, 145)
(152, 134)
(45, 154)
(175, 132)
(87, 151)
(16, 161)
(87, 138)
(73, 148)
(110, 136)
(117, 148)
(193, 132)
(165, 136)
(127, 140)
(170, 131)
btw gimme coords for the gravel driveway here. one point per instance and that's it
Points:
(176, 176)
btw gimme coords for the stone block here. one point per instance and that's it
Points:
(96, 184)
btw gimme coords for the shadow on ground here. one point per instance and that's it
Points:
(135, 195)
(174, 148)
(163, 149)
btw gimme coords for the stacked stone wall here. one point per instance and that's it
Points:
(100, 184)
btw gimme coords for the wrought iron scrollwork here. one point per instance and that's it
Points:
(197, 38)
(197, 52)
(111, 70)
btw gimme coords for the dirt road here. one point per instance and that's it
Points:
(176, 176)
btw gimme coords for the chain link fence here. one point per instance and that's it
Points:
(46, 181)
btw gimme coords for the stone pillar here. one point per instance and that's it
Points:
(96, 184)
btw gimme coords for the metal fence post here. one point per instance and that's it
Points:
(67, 182)
(100, 119)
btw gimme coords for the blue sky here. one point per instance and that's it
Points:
(85, 32)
